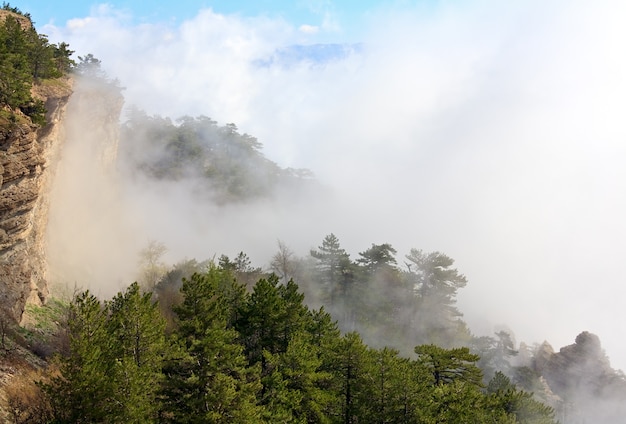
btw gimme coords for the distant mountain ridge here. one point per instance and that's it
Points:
(316, 54)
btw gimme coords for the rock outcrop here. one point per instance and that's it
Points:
(579, 365)
(26, 153)
(581, 375)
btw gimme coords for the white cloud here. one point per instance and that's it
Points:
(490, 131)
(309, 29)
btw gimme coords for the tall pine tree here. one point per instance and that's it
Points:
(208, 380)
(139, 347)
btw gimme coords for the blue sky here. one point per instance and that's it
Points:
(345, 16)
(489, 130)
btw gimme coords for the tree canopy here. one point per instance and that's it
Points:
(239, 356)
(26, 58)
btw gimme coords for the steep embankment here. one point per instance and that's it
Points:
(26, 153)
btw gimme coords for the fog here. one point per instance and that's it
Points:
(490, 131)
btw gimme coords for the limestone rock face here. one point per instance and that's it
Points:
(587, 388)
(85, 224)
(25, 155)
(582, 364)
(95, 107)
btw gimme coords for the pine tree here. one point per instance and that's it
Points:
(294, 389)
(15, 69)
(337, 271)
(390, 395)
(518, 403)
(323, 329)
(455, 391)
(379, 296)
(410, 389)
(208, 380)
(27, 57)
(138, 329)
(271, 316)
(462, 402)
(83, 391)
(449, 365)
(437, 320)
(349, 360)
(262, 322)
(296, 313)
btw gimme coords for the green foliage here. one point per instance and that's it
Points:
(387, 305)
(270, 317)
(208, 380)
(434, 275)
(152, 267)
(6, 6)
(495, 353)
(436, 283)
(390, 388)
(36, 110)
(378, 256)
(209, 298)
(336, 276)
(294, 389)
(27, 57)
(229, 163)
(137, 328)
(380, 297)
(349, 361)
(90, 66)
(449, 365)
(460, 402)
(113, 367)
(167, 290)
(236, 357)
(83, 391)
(44, 327)
(322, 328)
(520, 404)
(62, 58)
(241, 268)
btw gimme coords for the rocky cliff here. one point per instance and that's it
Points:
(86, 230)
(581, 375)
(26, 153)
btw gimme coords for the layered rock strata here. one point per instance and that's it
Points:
(26, 153)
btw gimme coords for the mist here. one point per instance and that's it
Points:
(492, 132)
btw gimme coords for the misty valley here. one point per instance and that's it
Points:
(109, 315)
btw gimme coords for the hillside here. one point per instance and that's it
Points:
(321, 338)
(23, 20)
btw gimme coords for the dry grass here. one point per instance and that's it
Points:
(24, 22)
(52, 88)
(23, 364)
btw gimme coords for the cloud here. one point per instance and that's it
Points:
(492, 132)
(327, 12)
(309, 29)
